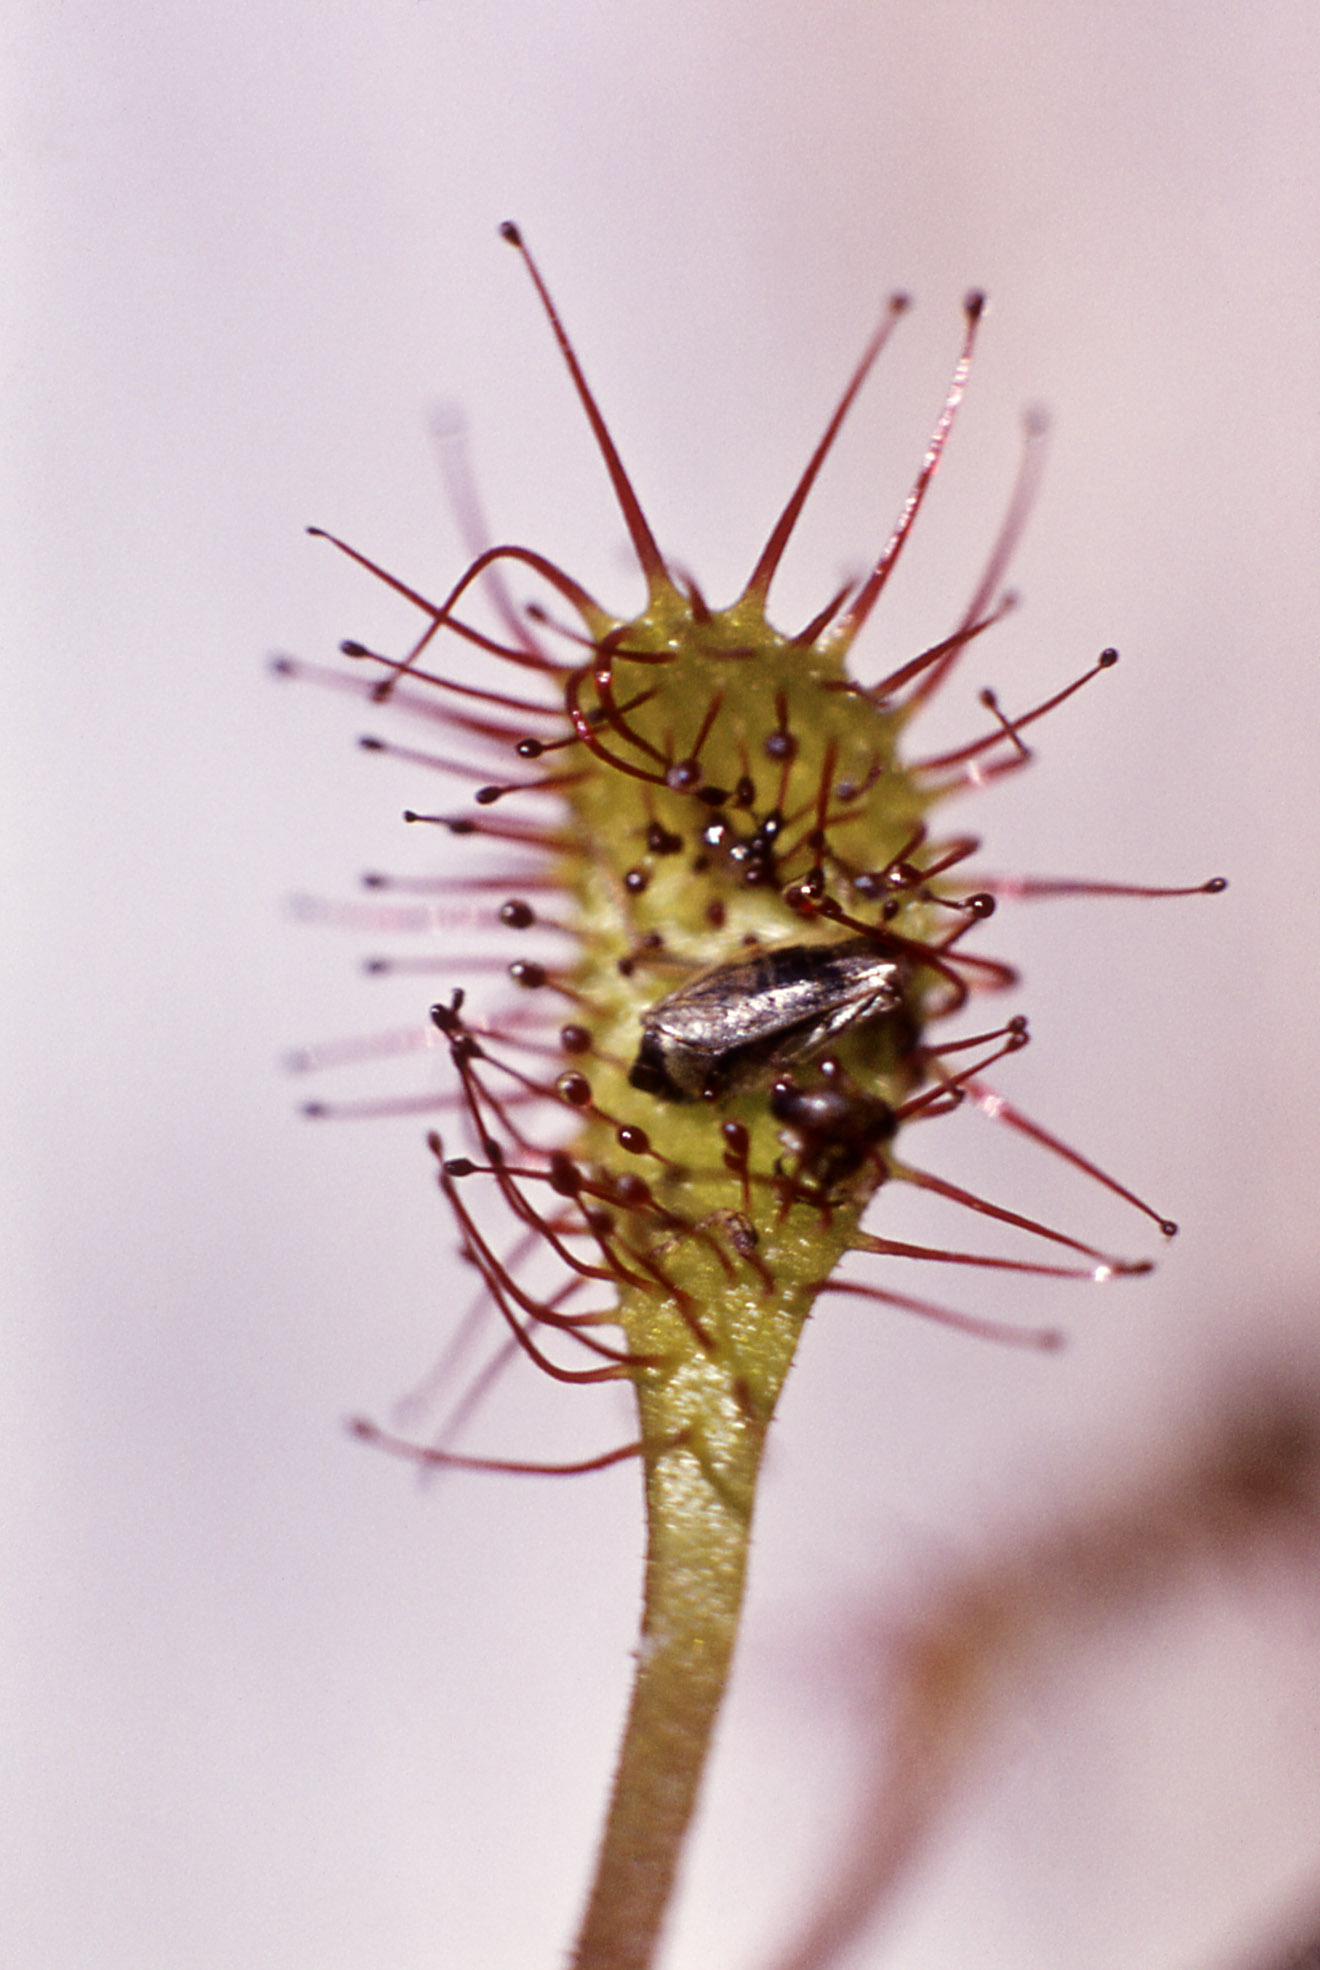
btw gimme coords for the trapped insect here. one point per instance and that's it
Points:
(736, 1023)
(833, 1127)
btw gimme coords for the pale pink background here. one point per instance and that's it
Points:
(267, 1705)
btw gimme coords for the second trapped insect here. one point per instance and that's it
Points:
(736, 1023)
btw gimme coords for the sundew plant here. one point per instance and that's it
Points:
(744, 959)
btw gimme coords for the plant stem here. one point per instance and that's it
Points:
(699, 1511)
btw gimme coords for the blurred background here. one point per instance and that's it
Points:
(266, 1700)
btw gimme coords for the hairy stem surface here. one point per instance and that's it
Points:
(699, 1532)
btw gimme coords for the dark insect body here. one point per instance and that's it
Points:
(834, 1127)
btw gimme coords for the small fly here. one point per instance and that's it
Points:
(736, 1023)
(834, 1127)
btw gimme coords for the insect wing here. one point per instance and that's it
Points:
(739, 1005)
(776, 1005)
